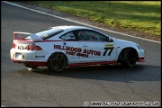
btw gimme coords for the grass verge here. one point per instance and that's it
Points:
(143, 16)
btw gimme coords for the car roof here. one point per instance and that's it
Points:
(70, 27)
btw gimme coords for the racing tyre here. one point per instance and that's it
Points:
(129, 58)
(57, 62)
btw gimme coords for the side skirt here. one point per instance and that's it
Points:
(92, 63)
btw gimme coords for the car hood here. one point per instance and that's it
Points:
(124, 42)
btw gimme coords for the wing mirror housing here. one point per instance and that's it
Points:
(109, 39)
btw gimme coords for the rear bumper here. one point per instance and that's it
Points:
(34, 63)
(34, 58)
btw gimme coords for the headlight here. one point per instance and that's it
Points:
(138, 46)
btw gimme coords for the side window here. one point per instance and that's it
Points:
(92, 36)
(82, 35)
(95, 36)
(89, 35)
(102, 37)
(68, 36)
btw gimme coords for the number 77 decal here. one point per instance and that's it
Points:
(110, 50)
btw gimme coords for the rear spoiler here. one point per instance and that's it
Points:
(26, 36)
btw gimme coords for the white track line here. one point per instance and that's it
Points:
(44, 13)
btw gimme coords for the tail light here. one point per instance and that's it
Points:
(13, 45)
(28, 47)
(33, 47)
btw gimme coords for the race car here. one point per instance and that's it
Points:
(70, 45)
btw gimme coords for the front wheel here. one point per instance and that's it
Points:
(57, 62)
(129, 58)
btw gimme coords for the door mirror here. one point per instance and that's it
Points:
(109, 39)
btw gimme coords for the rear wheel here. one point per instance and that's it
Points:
(57, 62)
(129, 58)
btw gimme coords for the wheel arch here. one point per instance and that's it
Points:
(60, 53)
(122, 52)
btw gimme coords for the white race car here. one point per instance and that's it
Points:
(62, 46)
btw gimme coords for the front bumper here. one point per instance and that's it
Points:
(142, 59)
(141, 55)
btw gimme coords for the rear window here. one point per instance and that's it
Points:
(46, 34)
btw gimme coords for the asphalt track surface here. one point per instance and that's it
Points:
(75, 86)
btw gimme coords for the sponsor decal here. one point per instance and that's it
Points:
(109, 45)
(108, 50)
(78, 51)
(22, 47)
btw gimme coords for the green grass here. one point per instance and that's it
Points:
(144, 16)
